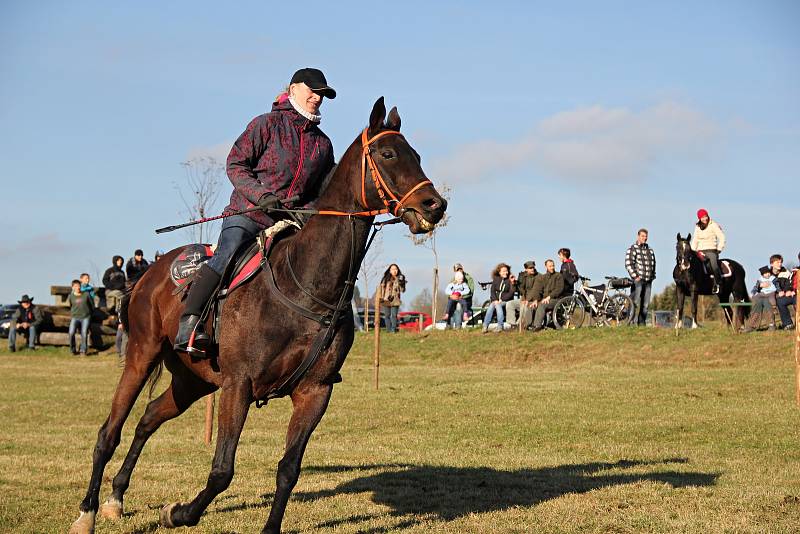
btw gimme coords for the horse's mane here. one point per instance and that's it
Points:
(327, 180)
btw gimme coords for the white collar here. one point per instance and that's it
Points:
(310, 116)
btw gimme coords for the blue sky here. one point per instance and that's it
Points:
(555, 124)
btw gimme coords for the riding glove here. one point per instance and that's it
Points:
(268, 201)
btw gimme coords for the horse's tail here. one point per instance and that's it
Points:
(739, 287)
(155, 376)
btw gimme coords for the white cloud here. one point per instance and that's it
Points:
(591, 144)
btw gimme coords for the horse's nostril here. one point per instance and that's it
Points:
(431, 204)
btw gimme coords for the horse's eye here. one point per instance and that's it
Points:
(387, 154)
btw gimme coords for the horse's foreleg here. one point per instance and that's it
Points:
(234, 403)
(184, 390)
(695, 296)
(680, 296)
(309, 406)
(130, 385)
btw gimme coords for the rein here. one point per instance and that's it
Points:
(330, 320)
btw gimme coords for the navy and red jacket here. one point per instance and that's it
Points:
(282, 153)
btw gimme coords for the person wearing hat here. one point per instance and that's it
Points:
(708, 241)
(280, 154)
(136, 267)
(26, 320)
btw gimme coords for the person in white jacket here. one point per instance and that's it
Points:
(709, 240)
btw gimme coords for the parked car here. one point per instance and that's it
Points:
(6, 312)
(372, 317)
(407, 320)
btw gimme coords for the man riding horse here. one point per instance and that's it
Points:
(281, 154)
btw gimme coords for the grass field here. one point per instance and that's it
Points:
(628, 430)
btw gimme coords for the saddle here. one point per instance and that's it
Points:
(244, 265)
(724, 269)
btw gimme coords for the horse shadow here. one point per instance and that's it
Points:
(448, 493)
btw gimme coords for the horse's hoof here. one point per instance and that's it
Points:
(165, 519)
(111, 509)
(84, 524)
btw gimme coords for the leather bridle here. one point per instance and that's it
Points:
(392, 204)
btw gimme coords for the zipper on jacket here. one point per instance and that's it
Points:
(299, 164)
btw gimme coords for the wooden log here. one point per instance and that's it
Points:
(62, 339)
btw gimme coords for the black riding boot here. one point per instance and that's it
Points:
(191, 336)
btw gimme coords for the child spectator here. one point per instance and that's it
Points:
(763, 300)
(87, 287)
(501, 292)
(458, 291)
(568, 271)
(470, 283)
(81, 307)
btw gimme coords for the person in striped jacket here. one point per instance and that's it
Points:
(640, 262)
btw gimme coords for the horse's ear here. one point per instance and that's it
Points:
(689, 237)
(377, 116)
(679, 236)
(393, 120)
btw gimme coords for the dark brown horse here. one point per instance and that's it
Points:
(261, 341)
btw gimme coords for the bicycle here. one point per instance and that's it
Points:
(597, 304)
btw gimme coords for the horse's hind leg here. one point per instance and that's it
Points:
(184, 390)
(309, 407)
(141, 360)
(234, 403)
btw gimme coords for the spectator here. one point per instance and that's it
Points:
(81, 307)
(114, 282)
(26, 320)
(785, 296)
(87, 287)
(136, 267)
(470, 283)
(524, 287)
(709, 240)
(763, 300)
(158, 255)
(458, 291)
(546, 291)
(640, 262)
(502, 291)
(392, 285)
(568, 271)
(121, 339)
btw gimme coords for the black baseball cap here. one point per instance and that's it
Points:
(530, 264)
(315, 80)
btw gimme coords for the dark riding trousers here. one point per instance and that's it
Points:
(236, 231)
(712, 257)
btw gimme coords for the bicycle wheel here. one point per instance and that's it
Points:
(569, 313)
(618, 310)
